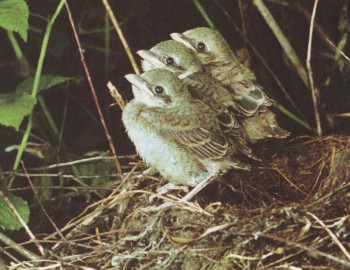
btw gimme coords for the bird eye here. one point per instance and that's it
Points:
(170, 60)
(159, 89)
(201, 46)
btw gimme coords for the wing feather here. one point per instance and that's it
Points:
(194, 128)
(249, 96)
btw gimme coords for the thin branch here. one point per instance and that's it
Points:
(42, 207)
(23, 223)
(241, 11)
(331, 234)
(324, 36)
(274, 76)
(121, 36)
(310, 74)
(284, 42)
(21, 250)
(337, 50)
(311, 250)
(93, 91)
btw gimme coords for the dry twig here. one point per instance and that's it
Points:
(93, 91)
(287, 47)
(310, 75)
(121, 36)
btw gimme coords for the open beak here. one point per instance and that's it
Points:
(151, 58)
(139, 83)
(181, 38)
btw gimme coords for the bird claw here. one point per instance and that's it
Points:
(186, 198)
(165, 189)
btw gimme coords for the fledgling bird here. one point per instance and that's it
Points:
(183, 62)
(177, 135)
(216, 58)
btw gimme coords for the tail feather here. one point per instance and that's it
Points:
(237, 164)
(279, 132)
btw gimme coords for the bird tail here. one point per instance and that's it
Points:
(237, 164)
(279, 132)
(242, 147)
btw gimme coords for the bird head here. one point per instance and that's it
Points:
(173, 56)
(209, 45)
(158, 88)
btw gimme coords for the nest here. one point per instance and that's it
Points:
(290, 212)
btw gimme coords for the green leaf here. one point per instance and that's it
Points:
(46, 82)
(14, 16)
(8, 220)
(14, 107)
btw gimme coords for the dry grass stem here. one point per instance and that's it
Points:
(310, 73)
(23, 223)
(93, 91)
(116, 95)
(247, 220)
(334, 238)
(121, 36)
(287, 47)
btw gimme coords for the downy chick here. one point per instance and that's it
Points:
(177, 135)
(183, 62)
(258, 121)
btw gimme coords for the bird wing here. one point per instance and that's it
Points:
(249, 96)
(205, 88)
(194, 128)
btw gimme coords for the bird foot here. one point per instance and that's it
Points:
(186, 198)
(165, 189)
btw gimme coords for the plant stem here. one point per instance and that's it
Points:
(310, 73)
(284, 42)
(204, 14)
(36, 85)
(293, 117)
(121, 36)
(93, 92)
(15, 45)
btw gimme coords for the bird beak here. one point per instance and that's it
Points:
(181, 38)
(151, 58)
(139, 83)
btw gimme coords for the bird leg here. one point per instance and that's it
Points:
(199, 187)
(187, 197)
(170, 186)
